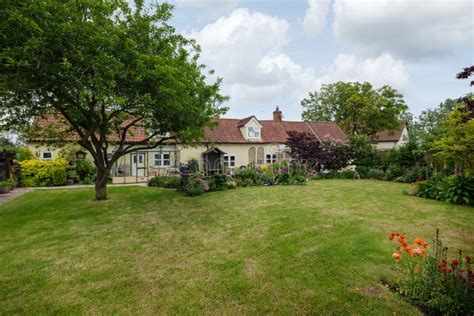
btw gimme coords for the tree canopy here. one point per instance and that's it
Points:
(357, 107)
(106, 68)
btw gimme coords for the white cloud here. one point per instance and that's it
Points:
(379, 71)
(245, 49)
(407, 28)
(315, 16)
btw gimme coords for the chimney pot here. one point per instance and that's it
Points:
(277, 115)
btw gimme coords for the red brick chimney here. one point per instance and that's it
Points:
(277, 115)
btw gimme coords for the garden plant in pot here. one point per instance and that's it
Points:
(5, 186)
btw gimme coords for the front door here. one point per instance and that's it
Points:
(138, 165)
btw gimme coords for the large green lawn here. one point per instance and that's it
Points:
(314, 249)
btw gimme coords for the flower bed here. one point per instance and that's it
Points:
(431, 280)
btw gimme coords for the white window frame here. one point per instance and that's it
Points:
(229, 162)
(253, 132)
(270, 158)
(46, 152)
(160, 158)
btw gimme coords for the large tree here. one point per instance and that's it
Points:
(357, 107)
(107, 68)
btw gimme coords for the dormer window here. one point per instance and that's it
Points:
(253, 132)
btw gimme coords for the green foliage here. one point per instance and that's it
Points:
(429, 125)
(268, 178)
(84, 169)
(6, 183)
(346, 174)
(456, 146)
(195, 186)
(376, 174)
(40, 173)
(394, 171)
(217, 182)
(248, 173)
(246, 182)
(23, 153)
(356, 107)
(69, 152)
(452, 189)
(231, 184)
(58, 176)
(286, 179)
(365, 155)
(171, 182)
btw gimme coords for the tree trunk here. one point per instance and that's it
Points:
(101, 184)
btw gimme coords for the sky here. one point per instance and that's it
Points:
(274, 52)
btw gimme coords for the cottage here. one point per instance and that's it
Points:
(231, 144)
(386, 139)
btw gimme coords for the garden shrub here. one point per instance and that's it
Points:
(346, 174)
(248, 182)
(217, 182)
(393, 172)
(429, 279)
(452, 189)
(35, 172)
(23, 153)
(59, 176)
(196, 186)
(283, 178)
(231, 184)
(6, 185)
(375, 174)
(267, 178)
(170, 182)
(248, 173)
(84, 169)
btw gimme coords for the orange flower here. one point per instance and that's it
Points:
(418, 241)
(396, 256)
(416, 252)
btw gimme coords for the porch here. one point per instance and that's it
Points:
(141, 166)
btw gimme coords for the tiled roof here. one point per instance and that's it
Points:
(390, 136)
(244, 121)
(228, 131)
(51, 127)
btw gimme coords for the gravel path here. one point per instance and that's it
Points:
(13, 194)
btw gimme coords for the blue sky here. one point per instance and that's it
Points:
(274, 52)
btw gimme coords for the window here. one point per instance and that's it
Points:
(271, 158)
(260, 155)
(253, 132)
(229, 161)
(252, 154)
(162, 160)
(46, 155)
